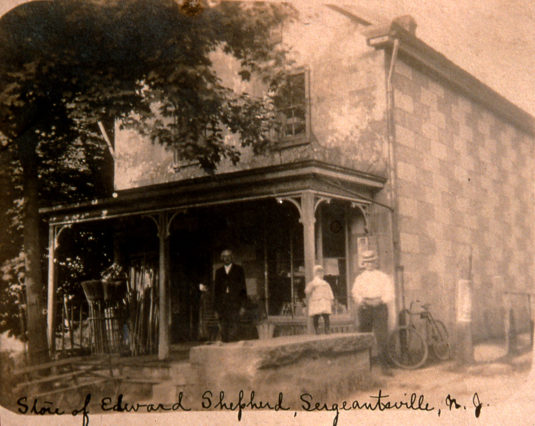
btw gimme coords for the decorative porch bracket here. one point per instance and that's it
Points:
(364, 208)
(296, 201)
(163, 225)
(163, 222)
(318, 200)
(54, 231)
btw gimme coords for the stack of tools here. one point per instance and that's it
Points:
(143, 306)
(114, 312)
(123, 309)
(94, 294)
(107, 310)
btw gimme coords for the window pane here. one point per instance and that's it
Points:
(299, 128)
(291, 102)
(297, 86)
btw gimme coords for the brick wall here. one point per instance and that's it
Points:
(465, 179)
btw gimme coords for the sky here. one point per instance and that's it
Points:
(494, 40)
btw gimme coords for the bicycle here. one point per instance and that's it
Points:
(406, 346)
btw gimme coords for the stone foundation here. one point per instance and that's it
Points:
(325, 367)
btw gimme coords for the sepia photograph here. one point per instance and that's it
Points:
(267, 212)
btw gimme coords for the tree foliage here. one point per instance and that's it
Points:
(71, 64)
(65, 65)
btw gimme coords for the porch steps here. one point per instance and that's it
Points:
(159, 382)
(181, 378)
(156, 373)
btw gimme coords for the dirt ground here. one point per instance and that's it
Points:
(473, 394)
(494, 390)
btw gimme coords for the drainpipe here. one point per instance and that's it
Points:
(398, 280)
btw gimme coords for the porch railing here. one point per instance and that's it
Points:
(287, 326)
(73, 334)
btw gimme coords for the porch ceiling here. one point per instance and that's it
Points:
(269, 182)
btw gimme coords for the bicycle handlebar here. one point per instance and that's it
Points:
(425, 307)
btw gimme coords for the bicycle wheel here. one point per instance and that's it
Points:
(439, 341)
(407, 348)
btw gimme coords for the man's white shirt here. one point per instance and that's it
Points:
(373, 284)
(227, 271)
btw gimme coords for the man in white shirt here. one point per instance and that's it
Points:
(372, 291)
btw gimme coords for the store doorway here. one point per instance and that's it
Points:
(190, 265)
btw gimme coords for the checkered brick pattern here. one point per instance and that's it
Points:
(465, 178)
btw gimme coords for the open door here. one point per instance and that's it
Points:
(190, 266)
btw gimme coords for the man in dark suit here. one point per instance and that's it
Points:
(230, 295)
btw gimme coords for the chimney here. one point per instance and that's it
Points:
(406, 22)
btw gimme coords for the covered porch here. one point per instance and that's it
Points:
(279, 221)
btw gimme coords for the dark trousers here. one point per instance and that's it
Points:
(375, 318)
(230, 322)
(316, 319)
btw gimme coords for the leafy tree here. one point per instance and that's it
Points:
(67, 174)
(66, 65)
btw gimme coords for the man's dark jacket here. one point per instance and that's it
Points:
(228, 302)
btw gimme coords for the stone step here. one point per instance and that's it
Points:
(136, 391)
(149, 372)
(329, 365)
(181, 373)
(160, 382)
(181, 378)
(169, 392)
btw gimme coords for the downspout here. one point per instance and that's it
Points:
(398, 279)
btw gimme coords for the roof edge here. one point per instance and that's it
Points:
(206, 182)
(383, 36)
(358, 14)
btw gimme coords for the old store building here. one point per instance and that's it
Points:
(385, 144)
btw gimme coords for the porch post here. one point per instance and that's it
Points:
(163, 299)
(319, 239)
(308, 220)
(51, 299)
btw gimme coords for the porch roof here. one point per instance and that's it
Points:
(269, 182)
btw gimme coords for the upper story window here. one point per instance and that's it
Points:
(292, 103)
